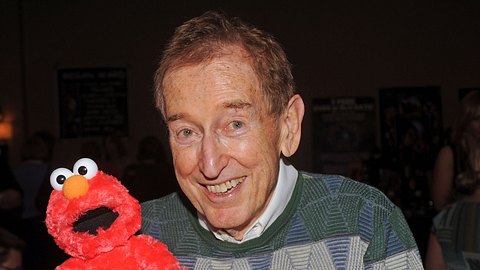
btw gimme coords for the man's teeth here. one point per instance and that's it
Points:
(224, 187)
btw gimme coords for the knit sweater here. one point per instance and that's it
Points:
(330, 222)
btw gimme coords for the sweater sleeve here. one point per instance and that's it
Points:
(393, 244)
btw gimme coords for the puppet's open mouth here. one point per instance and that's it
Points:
(92, 220)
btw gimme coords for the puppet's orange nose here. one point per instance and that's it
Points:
(75, 187)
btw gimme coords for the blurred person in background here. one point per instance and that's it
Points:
(32, 173)
(10, 198)
(11, 251)
(151, 176)
(460, 157)
(455, 236)
(115, 154)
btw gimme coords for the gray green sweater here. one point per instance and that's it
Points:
(331, 222)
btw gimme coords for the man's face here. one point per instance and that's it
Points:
(225, 146)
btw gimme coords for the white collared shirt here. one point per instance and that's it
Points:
(287, 178)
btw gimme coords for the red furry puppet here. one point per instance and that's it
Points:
(93, 244)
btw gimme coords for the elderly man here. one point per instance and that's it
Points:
(227, 95)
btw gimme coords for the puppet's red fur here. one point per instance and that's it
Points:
(113, 248)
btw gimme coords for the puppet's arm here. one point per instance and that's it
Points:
(152, 254)
(72, 264)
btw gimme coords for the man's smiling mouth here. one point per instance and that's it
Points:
(225, 187)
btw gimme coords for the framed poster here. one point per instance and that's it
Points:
(411, 128)
(410, 117)
(344, 133)
(92, 102)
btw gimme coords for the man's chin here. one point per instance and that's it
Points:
(229, 223)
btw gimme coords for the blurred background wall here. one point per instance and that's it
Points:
(337, 48)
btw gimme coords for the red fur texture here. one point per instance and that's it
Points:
(112, 248)
(140, 252)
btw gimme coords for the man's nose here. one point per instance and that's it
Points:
(213, 158)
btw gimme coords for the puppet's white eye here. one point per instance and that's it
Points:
(58, 177)
(86, 167)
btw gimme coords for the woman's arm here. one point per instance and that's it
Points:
(443, 173)
(434, 259)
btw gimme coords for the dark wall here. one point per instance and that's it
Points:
(338, 48)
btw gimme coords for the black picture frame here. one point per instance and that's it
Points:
(92, 102)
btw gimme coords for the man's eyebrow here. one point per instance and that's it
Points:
(175, 117)
(236, 104)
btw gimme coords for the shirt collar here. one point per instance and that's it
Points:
(287, 177)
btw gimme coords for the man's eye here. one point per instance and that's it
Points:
(185, 133)
(185, 136)
(236, 125)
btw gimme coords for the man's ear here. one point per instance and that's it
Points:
(291, 123)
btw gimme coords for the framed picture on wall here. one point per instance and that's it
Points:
(92, 102)
(411, 134)
(410, 113)
(344, 133)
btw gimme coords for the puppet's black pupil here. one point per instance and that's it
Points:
(61, 179)
(82, 170)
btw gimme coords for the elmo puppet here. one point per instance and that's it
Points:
(92, 218)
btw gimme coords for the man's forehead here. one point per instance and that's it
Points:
(231, 53)
(228, 70)
(226, 82)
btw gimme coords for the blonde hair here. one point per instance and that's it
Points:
(467, 146)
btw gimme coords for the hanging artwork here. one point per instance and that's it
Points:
(344, 133)
(411, 134)
(92, 102)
